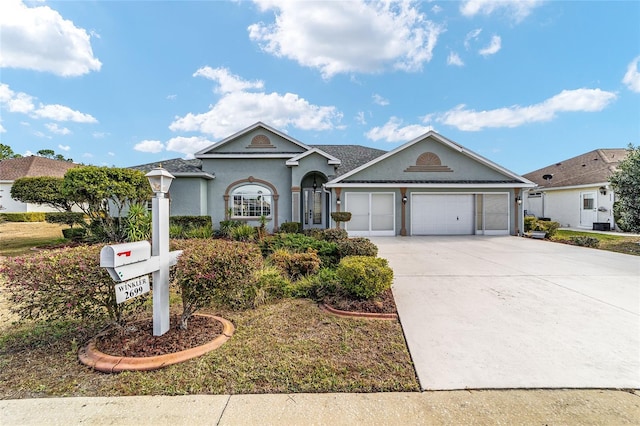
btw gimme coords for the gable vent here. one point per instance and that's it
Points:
(428, 162)
(260, 141)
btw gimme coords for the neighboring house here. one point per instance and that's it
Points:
(576, 192)
(428, 186)
(31, 166)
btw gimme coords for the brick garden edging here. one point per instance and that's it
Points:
(92, 357)
(364, 315)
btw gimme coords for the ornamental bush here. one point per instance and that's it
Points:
(291, 227)
(364, 277)
(23, 217)
(299, 243)
(296, 265)
(334, 234)
(585, 241)
(356, 247)
(66, 283)
(218, 272)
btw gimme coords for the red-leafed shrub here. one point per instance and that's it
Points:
(296, 265)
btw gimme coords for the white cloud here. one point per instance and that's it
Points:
(394, 131)
(99, 135)
(379, 100)
(40, 134)
(39, 38)
(149, 146)
(516, 9)
(348, 36)
(238, 109)
(54, 128)
(64, 147)
(579, 100)
(16, 102)
(2, 129)
(436, 9)
(454, 59)
(471, 35)
(632, 76)
(63, 113)
(172, 97)
(111, 154)
(493, 47)
(187, 145)
(227, 82)
(360, 119)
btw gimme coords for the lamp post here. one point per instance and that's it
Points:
(160, 181)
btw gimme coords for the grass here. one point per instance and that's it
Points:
(19, 237)
(288, 346)
(616, 243)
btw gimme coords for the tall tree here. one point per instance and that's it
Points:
(49, 153)
(6, 152)
(41, 190)
(626, 185)
(103, 192)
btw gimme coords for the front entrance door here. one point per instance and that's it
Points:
(313, 209)
(588, 210)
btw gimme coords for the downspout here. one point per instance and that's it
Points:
(328, 212)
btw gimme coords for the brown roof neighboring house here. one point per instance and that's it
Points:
(594, 167)
(33, 166)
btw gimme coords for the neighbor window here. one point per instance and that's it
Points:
(251, 201)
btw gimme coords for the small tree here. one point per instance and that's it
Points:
(41, 190)
(6, 152)
(102, 193)
(626, 185)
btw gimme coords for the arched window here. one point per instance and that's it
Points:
(251, 201)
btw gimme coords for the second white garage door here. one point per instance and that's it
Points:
(441, 214)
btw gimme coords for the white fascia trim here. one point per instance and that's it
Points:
(202, 153)
(246, 156)
(564, 188)
(202, 175)
(447, 142)
(427, 185)
(331, 160)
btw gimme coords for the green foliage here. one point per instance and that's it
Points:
(66, 218)
(190, 221)
(270, 285)
(296, 265)
(74, 234)
(364, 277)
(585, 241)
(23, 217)
(176, 231)
(199, 232)
(529, 223)
(341, 217)
(243, 232)
(102, 193)
(49, 153)
(334, 234)
(626, 185)
(291, 227)
(6, 152)
(548, 226)
(216, 272)
(315, 286)
(41, 190)
(138, 223)
(299, 243)
(63, 284)
(227, 226)
(358, 246)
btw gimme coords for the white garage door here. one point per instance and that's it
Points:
(372, 214)
(441, 214)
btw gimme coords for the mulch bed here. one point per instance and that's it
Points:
(383, 304)
(137, 339)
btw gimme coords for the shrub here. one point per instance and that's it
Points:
(296, 265)
(176, 231)
(188, 222)
(364, 277)
(299, 243)
(585, 241)
(216, 272)
(226, 226)
(356, 247)
(340, 217)
(66, 283)
(243, 232)
(199, 232)
(334, 234)
(291, 227)
(549, 227)
(529, 223)
(74, 234)
(270, 285)
(23, 217)
(316, 286)
(66, 218)
(137, 224)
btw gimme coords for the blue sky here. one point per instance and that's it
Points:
(524, 83)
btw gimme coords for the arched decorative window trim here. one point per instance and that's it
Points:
(228, 199)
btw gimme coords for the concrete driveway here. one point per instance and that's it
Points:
(509, 312)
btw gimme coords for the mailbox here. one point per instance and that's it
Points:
(132, 260)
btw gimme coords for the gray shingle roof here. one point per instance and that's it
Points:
(351, 156)
(590, 168)
(176, 166)
(33, 166)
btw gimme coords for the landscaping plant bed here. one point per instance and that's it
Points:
(382, 304)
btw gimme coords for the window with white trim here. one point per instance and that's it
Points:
(251, 201)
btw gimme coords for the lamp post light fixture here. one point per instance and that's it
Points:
(160, 181)
(603, 190)
(404, 199)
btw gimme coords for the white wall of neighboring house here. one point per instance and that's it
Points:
(565, 205)
(9, 205)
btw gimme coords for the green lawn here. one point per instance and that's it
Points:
(616, 243)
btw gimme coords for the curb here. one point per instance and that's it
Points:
(92, 357)
(364, 315)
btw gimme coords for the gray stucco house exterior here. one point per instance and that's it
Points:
(428, 186)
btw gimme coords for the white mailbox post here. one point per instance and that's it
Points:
(132, 260)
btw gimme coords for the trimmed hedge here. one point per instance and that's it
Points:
(188, 222)
(364, 277)
(300, 243)
(291, 228)
(23, 217)
(357, 246)
(67, 218)
(296, 265)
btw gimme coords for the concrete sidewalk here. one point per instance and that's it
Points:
(584, 407)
